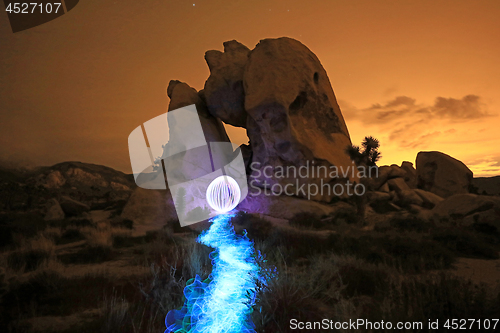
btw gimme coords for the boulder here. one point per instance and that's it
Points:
(397, 184)
(150, 209)
(54, 211)
(381, 177)
(490, 217)
(410, 175)
(224, 87)
(442, 174)
(293, 116)
(281, 206)
(73, 207)
(430, 199)
(396, 172)
(461, 205)
(384, 188)
(378, 196)
(405, 198)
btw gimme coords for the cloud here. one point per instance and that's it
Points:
(413, 123)
(486, 166)
(469, 107)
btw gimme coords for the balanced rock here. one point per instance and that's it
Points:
(224, 87)
(293, 115)
(442, 174)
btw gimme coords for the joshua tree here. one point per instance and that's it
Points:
(365, 156)
(368, 156)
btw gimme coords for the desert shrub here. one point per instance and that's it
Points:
(79, 222)
(257, 228)
(346, 215)
(70, 235)
(417, 255)
(308, 220)
(436, 297)
(486, 228)
(410, 223)
(122, 223)
(365, 279)
(465, 243)
(53, 293)
(26, 224)
(413, 256)
(99, 247)
(123, 238)
(299, 244)
(288, 295)
(32, 254)
(52, 233)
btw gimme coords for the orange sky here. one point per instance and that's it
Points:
(418, 75)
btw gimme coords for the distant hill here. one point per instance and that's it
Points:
(92, 184)
(487, 185)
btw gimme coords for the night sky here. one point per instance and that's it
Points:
(418, 75)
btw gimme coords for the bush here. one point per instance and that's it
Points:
(410, 223)
(308, 220)
(465, 243)
(70, 235)
(35, 252)
(257, 228)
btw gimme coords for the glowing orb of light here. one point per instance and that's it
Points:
(223, 194)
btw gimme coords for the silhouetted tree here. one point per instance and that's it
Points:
(365, 156)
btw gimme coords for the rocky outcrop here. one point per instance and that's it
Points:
(442, 174)
(293, 115)
(223, 90)
(182, 95)
(283, 207)
(395, 188)
(462, 205)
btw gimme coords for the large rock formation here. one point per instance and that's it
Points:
(224, 87)
(442, 174)
(182, 95)
(293, 115)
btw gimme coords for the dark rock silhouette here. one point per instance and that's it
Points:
(442, 174)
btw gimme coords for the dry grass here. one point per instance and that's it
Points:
(31, 254)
